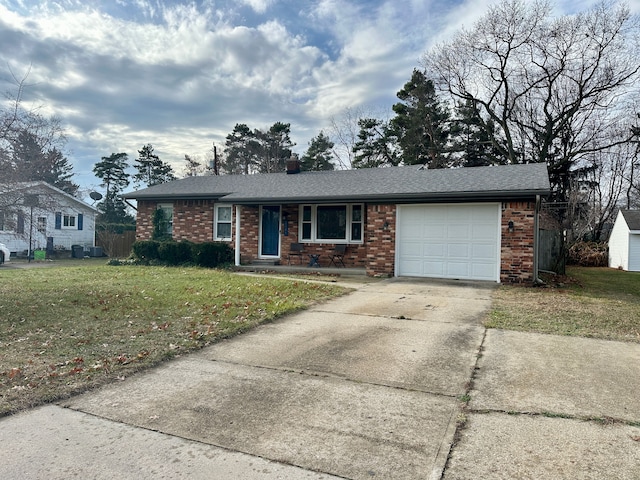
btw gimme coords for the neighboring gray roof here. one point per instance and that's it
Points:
(632, 217)
(39, 187)
(371, 184)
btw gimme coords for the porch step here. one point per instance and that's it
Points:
(265, 263)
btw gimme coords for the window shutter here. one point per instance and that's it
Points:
(79, 221)
(20, 224)
(58, 221)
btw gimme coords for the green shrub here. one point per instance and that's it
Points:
(207, 254)
(175, 253)
(146, 250)
(212, 254)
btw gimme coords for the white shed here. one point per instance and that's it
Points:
(624, 241)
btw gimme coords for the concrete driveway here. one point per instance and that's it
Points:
(365, 386)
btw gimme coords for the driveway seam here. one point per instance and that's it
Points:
(313, 373)
(462, 420)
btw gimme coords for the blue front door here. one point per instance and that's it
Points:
(270, 241)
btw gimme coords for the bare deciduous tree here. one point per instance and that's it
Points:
(553, 87)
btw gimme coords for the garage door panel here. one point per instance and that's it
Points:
(434, 231)
(484, 252)
(412, 268)
(483, 270)
(432, 269)
(459, 251)
(458, 232)
(434, 250)
(483, 232)
(458, 269)
(449, 241)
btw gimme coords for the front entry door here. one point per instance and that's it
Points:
(270, 231)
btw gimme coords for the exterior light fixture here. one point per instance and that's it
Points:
(510, 226)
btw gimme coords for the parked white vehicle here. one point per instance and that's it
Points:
(4, 253)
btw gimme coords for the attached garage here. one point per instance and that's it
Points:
(457, 241)
(475, 223)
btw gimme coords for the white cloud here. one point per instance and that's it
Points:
(259, 6)
(180, 74)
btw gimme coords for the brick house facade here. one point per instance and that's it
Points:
(470, 223)
(193, 221)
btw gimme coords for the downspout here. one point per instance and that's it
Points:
(536, 236)
(237, 256)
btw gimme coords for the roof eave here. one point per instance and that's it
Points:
(396, 198)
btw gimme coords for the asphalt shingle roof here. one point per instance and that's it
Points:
(632, 217)
(408, 183)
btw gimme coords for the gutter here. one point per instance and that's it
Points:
(468, 196)
(536, 240)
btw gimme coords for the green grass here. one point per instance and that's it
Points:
(65, 330)
(589, 302)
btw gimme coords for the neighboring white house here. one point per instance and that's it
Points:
(624, 241)
(44, 216)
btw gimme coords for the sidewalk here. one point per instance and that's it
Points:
(370, 385)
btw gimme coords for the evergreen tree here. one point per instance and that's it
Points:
(193, 167)
(472, 138)
(240, 151)
(376, 145)
(256, 151)
(318, 156)
(33, 162)
(151, 170)
(275, 147)
(112, 171)
(421, 123)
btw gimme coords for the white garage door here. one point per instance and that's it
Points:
(449, 241)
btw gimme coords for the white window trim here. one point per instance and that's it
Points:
(314, 223)
(215, 222)
(67, 217)
(165, 207)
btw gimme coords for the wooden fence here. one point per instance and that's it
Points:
(550, 251)
(116, 245)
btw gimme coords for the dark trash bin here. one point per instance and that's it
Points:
(77, 251)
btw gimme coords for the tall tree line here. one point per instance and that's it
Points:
(31, 144)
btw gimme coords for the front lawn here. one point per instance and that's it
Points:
(588, 302)
(65, 330)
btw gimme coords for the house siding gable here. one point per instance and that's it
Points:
(619, 244)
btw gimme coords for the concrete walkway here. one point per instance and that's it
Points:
(370, 385)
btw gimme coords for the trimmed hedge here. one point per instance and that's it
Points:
(207, 254)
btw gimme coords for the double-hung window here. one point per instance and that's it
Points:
(222, 224)
(338, 223)
(166, 227)
(68, 221)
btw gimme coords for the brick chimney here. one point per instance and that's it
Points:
(293, 164)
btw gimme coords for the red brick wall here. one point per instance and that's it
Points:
(518, 246)
(380, 239)
(193, 220)
(249, 233)
(144, 219)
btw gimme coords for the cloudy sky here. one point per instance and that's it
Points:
(179, 75)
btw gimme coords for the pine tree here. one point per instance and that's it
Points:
(421, 123)
(376, 145)
(318, 156)
(151, 170)
(112, 171)
(472, 138)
